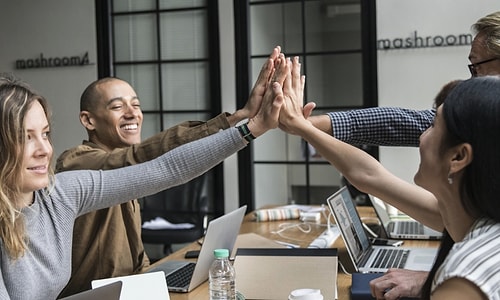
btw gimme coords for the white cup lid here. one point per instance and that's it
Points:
(305, 294)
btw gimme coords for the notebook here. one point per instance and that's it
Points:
(272, 273)
(360, 287)
(184, 276)
(110, 291)
(366, 257)
(406, 228)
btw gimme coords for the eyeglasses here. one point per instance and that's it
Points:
(473, 67)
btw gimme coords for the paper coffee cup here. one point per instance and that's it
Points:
(305, 294)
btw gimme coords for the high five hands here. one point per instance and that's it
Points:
(294, 113)
(286, 89)
(281, 104)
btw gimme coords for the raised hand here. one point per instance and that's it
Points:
(293, 110)
(261, 85)
(267, 116)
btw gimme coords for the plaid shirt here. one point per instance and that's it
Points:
(381, 126)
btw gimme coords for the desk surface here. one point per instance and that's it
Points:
(266, 229)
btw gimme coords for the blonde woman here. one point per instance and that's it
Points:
(38, 209)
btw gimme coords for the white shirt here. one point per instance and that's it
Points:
(475, 258)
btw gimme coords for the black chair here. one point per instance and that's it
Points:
(186, 203)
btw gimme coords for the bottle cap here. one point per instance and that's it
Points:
(221, 253)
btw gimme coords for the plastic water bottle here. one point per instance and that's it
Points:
(221, 277)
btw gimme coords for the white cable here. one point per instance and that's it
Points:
(371, 220)
(343, 269)
(373, 234)
(304, 227)
(328, 222)
(285, 226)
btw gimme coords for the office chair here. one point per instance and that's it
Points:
(186, 203)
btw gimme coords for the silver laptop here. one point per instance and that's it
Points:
(366, 257)
(184, 276)
(110, 291)
(407, 228)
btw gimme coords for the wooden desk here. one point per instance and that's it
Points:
(265, 229)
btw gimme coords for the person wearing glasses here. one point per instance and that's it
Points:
(454, 187)
(393, 126)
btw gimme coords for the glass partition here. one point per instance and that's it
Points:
(327, 36)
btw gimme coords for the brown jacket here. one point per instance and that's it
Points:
(107, 242)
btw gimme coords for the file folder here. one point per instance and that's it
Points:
(272, 273)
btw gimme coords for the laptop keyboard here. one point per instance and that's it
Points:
(390, 258)
(181, 277)
(410, 228)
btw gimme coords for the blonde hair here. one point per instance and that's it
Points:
(490, 26)
(16, 99)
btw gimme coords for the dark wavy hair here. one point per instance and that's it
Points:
(471, 113)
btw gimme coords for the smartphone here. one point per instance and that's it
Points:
(192, 254)
(386, 242)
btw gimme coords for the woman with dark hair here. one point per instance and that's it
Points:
(469, 202)
(457, 186)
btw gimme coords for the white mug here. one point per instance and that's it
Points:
(305, 294)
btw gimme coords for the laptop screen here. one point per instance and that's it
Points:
(108, 291)
(347, 218)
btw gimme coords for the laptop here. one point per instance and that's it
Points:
(366, 257)
(184, 276)
(151, 286)
(402, 228)
(110, 291)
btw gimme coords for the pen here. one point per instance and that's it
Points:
(289, 245)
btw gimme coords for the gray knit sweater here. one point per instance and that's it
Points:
(45, 268)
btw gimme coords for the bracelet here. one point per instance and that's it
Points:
(245, 132)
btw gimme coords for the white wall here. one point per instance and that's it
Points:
(56, 28)
(412, 77)
(59, 28)
(407, 78)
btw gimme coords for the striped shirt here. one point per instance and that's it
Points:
(381, 126)
(476, 258)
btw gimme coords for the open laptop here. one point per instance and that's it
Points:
(110, 291)
(366, 257)
(151, 286)
(183, 276)
(406, 228)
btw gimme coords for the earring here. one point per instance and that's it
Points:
(450, 179)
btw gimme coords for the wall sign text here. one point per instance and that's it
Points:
(416, 41)
(52, 62)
